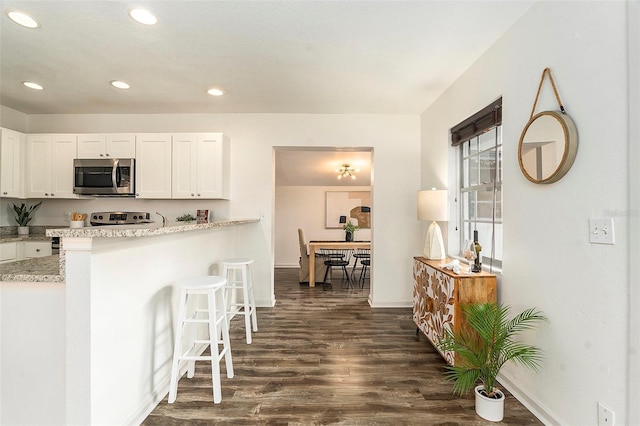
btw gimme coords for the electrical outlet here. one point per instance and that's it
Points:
(605, 416)
(601, 231)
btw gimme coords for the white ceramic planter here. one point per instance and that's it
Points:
(23, 230)
(489, 408)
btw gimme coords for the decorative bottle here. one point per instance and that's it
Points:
(477, 265)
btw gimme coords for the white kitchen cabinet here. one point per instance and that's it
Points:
(21, 250)
(33, 249)
(12, 155)
(8, 252)
(110, 145)
(153, 165)
(200, 166)
(50, 165)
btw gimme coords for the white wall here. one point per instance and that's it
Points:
(32, 351)
(548, 261)
(304, 207)
(14, 120)
(395, 140)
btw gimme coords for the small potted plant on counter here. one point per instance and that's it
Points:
(24, 215)
(484, 347)
(350, 229)
(185, 218)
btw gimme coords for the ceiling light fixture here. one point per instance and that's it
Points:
(120, 84)
(32, 85)
(143, 16)
(215, 92)
(22, 19)
(346, 171)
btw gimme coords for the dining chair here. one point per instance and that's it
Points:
(360, 255)
(336, 258)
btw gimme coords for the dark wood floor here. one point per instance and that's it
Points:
(326, 357)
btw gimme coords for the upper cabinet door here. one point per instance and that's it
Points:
(121, 145)
(183, 169)
(12, 164)
(153, 165)
(63, 151)
(213, 166)
(50, 165)
(116, 145)
(200, 166)
(91, 146)
(38, 166)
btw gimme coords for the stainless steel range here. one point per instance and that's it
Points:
(119, 218)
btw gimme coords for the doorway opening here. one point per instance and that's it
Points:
(308, 194)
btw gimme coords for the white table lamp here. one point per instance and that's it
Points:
(432, 205)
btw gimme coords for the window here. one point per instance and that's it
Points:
(479, 141)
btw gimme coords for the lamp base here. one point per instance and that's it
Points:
(433, 244)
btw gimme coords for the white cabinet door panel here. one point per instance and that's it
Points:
(153, 165)
(12, 164)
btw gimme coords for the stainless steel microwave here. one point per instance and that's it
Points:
(105, 176)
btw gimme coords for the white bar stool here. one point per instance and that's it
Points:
(230, 270)
(213, 287)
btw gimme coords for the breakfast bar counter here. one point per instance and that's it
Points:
(109, 318)
(52, 268)
(144, 230)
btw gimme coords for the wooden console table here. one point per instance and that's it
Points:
(438, 296)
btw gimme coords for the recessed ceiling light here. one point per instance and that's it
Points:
(143, 16)
(22, 19)
(120, 84)
(215, 92)
(32, 85)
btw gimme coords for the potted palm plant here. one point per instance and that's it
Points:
(350, 229)
(24, 215)
(484, 347)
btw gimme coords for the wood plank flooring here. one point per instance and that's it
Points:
(325, 357)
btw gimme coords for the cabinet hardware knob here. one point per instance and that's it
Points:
(37, 250)
(101, 155)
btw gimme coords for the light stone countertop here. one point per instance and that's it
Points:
(144, 230)
(40, 269)
(16, 238)
(52, 268)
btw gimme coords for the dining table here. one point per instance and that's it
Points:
(315, 245)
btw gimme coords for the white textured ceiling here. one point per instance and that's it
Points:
(268, 56)
(317, 166)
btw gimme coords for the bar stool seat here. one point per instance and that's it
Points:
(239, 277)
(213, 287)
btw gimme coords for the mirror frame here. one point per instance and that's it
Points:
(570, 146)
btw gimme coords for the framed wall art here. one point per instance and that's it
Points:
(344, 206)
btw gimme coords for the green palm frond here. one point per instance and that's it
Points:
(488, 343)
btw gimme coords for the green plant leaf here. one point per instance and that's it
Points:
(488, 343)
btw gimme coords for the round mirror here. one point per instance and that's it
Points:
(548, 146)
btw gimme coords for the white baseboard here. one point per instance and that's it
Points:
(399, 304)
(540, 412)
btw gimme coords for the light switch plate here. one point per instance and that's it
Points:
(601, 231)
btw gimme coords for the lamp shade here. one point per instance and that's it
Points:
(432, 205)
